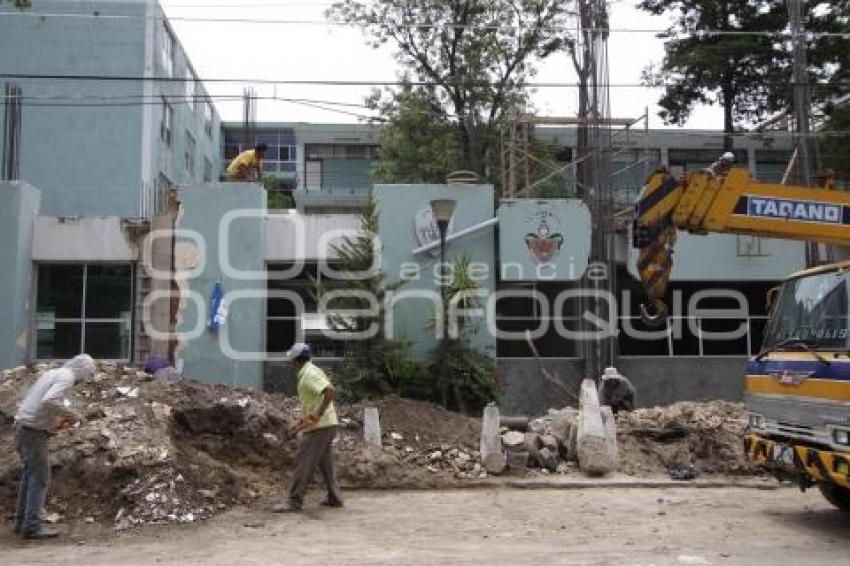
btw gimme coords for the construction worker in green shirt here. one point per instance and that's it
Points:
(318, 427)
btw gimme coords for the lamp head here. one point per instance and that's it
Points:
(442, 209)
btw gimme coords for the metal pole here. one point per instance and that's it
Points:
(443, 226)
(800, 85)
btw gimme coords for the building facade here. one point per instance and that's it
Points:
(113, 117)
(119, 230)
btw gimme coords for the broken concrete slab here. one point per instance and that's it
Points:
(594, 456)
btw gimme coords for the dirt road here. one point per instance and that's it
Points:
(731, 526)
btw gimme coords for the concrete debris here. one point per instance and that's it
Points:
(372, 427)
(592, 441)
(492, 454)
(163, 451)
(513, 440)
(182, 451)
(683, 440)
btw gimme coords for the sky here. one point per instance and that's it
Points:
(320, 51)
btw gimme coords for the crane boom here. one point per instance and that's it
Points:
(734, 204)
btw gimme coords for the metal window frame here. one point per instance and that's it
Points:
(82, 320)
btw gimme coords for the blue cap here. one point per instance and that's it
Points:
(298, 350)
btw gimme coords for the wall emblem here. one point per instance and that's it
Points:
(427, 230)
(544, 245)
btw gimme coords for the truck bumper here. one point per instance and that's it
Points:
(784, 459)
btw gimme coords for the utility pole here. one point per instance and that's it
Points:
(599, 347)
(815, 253)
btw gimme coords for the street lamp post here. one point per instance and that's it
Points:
(442, 210)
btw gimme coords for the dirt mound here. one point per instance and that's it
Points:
(154, 451)
(161, 451)
(421, 422)
(707, 436)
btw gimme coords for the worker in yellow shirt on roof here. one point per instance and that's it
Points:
(248, 165)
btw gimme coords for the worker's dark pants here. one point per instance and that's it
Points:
(35, 475)
(315, 450)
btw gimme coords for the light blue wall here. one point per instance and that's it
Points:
(727, 257)
(18, 210)
(188, 117)
(82, 140)
(84, 159)
(520, 223)
(203, 358)
(398, 205)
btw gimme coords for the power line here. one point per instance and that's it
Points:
(771, 135)
(414, 25)
(323, 82)
(182, 98)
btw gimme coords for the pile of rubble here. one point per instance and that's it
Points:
(701, 438)
(165, 451)
(683, 440)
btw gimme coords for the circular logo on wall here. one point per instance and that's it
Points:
(427, 230)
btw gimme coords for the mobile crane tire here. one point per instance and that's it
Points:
(837, 495)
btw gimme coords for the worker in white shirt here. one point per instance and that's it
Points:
(44, 411)
(722, 166)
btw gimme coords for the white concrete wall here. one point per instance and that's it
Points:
(82, 239)
(292, 235)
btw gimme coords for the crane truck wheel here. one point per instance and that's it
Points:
(837, 495)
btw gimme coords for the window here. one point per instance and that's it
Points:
(189, 153)
(208, 170)
(286, 323)
(83, 308)
(165, 124)
(208, 118)
(190, 90)
(341, 151)
(167, 51)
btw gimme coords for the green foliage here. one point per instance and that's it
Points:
(748, 75)
(22, 4)
(419, 144)
(374, 365)
(279, 192)
(735, 71)
(464, 378)
(476, 54)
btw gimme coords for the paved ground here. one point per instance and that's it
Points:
(602, 526)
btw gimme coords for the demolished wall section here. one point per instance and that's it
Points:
(19, 205)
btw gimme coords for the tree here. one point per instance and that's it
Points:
(464, 378)
(278, 192)
(476, 54)
(21, 4)
(734, 71)
(747, 74)
(418, 141)
(374, 365)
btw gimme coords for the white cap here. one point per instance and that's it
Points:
(610, 372)
(298, 350)
(81, 366)
(728, 156)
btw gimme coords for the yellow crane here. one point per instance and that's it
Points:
(798, 386)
